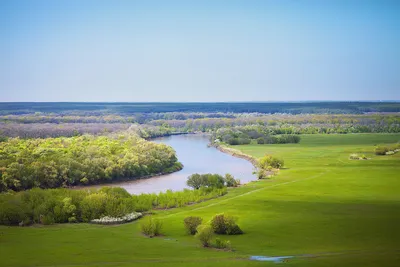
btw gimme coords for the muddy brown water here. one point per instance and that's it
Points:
(196, 157)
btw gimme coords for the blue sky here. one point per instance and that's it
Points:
(217, 50)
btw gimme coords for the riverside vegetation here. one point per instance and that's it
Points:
(323, 209)
(82, 160)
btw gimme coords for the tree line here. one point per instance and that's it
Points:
(48, 206)
(81, 160)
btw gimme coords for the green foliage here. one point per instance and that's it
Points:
(151, 227)
(357, 157)
(93, 206)
(380, 150)
(205, 234)
(222, 244)
(209, 180)
(270, 161)
(191, 223)
(12, 210)
(64, 205)
(81, 160)
(230, 181)
(225, 225)
(196, 181)
(243, 135)
(387, 150)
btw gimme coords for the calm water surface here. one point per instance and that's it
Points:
(196, 157)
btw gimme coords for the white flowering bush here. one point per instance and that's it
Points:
(118, 220)
(357, 157)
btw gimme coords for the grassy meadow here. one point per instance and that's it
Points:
(322, 208)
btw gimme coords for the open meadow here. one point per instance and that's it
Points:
(322, 208)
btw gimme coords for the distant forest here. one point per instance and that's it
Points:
(9, 108)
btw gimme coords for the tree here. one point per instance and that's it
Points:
(205, 234)
(195, 181)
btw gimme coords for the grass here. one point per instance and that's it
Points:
(329, 210)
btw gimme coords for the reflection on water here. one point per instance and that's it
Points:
(196, 157)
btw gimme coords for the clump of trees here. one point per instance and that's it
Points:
(48, 206)
(268, 165)
(243, 135)
(209, 180)
(387, 150)
(221, 224)
(81, 160)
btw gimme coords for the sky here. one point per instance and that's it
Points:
(195, 51)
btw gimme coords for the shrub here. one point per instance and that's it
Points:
(381, 150)
(147, 226)
(221, 244)
(117, 220)
(205, 234)
(269, 160)
(93, 206)
(233, 141)
(72, 220)
(12, 210)
(260, 141)
(191, 223)
(225, 224)
(354, 156)
(230, 181)
(151, 227)
(47, 219)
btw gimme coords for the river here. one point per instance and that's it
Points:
(196, 157)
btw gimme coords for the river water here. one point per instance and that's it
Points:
(196, 157)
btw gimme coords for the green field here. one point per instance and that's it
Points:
(322, 208)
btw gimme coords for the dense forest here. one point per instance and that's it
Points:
(28, 127)
(56, 162)
(225, 107)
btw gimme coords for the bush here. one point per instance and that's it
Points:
(151, 227)
(117, 220)
(230, 181)
(233, 141)
(72, 220)
(47, 219)
(225, 225)
(94, 206)
(260, 141)
(271, 161)
(221, 244)
(205, 234)
(197, 181)
(380, 150)
(12, 210)
(191, 223)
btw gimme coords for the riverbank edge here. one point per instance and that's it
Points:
(235, 153)
(239, 154)
(124, 180)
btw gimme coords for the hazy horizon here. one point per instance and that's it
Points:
(204, 51)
